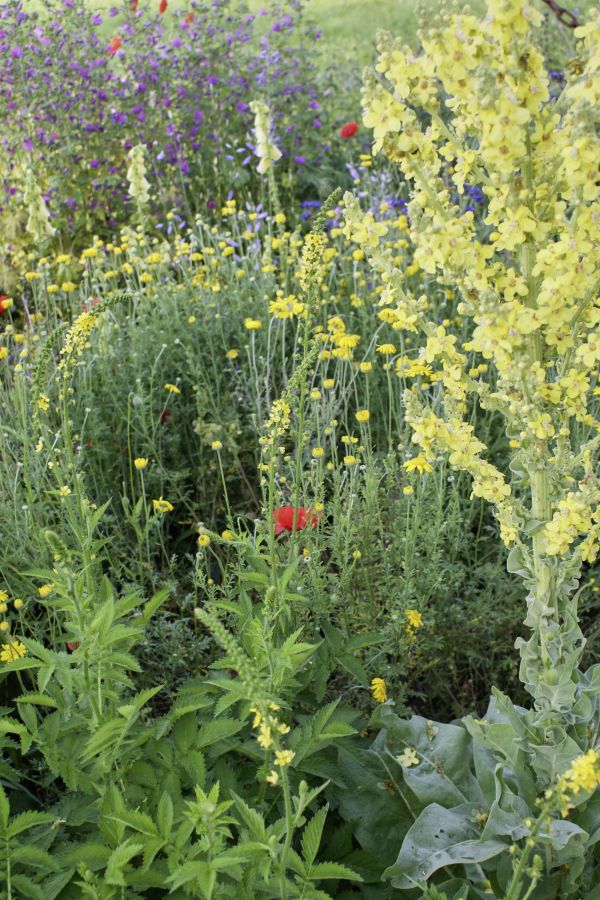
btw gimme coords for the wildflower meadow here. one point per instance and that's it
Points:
(299, 440)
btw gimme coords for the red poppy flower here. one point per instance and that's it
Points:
(283, 517)
(134, 5)
(3, 308)
(165, 416)
(72, 647)
(349, 129)
(115, 45)
(163, 6)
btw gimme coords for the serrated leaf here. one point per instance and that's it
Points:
(332, 870)
(4, 808)
(252, 819)
(27, 887)
(154, 602)
(165, 815)
(117, 861)
(26, 820)
(37, 699)
(33, 857)
(212, 732)
(311, 837)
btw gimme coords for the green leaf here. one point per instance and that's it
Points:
(104, 737)
(37, 699)
(165, 815)
(27, 887)
(4, 808)
(33, 857)
(130, 710)
(253, 820)
(154, 602)
(212, 732)
(440, 837)
(332, 870)
(117, 861)
(311, 837)
(26, 820)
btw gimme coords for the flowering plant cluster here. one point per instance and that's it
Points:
(475, 108)
(81, 88)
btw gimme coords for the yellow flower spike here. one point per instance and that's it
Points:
(379, 690)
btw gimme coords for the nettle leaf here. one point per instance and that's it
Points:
(27, 887)
(252, 819)
(440, 837)
(4, 808)
(443, 773)
(26, 820)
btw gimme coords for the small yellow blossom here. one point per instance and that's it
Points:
(351, 460)
(203, 540)
(43, 403)
(227, 535)
(414, 618)
(162, 506)
(14, 650)
(172, 388)
(362, 415)
(284, 757)
(17, 603)
(46, 589)
(216, 445)
(273, 777)
(64, 491)
(407, 490)
(318, 452)
(252, 324)
(232, 354)
(408, 758)
(140, 462)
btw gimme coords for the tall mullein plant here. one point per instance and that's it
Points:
(474, 108)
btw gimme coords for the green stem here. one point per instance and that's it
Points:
(289, 827)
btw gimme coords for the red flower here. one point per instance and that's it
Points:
(189, 18)
(134, 5)
(115, 45)
(165, 416)
(3, 308)
(72, 647)
(283, 517)
(163, 6)
(348, 130)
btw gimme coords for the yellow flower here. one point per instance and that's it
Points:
(3, 596)
(273, 777)
(414, 618)
(140, 462)
(17, 603)
(379, 690)
(228, 535)
(216, 445)
(43, 403)
(162, 506)
(68, 287)
(318, 452)
(362, 415)
(417, 464)
(284, 757)
(45, 590)
(315, 394)
(366, 367)
(4, 626)
(408, 758)
(583, 775)
(172, 388)
(387, 349)
(329, 383)
(252, 324)
(3, 608)
(64, 491)
(203, 540)
(14, 650)
(407, 490)
(232, 354)
(351, 460)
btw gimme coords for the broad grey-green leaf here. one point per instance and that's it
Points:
(440, 837)
(443, 773)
